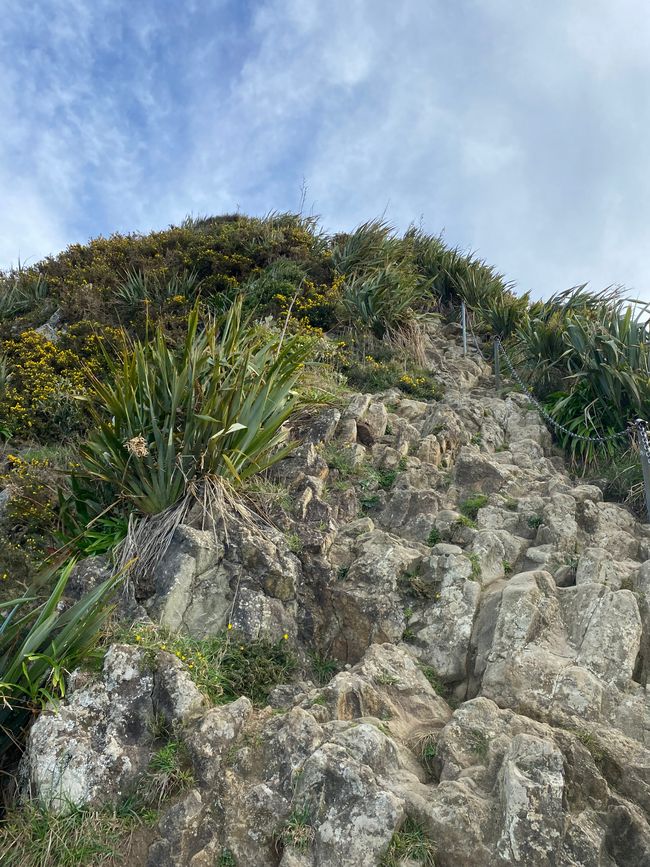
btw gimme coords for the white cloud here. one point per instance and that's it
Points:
(519, 127)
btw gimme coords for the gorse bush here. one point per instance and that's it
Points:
(166, 418)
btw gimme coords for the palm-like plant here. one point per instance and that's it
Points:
(40, 641)
(363, 250)
(167, 418)
(384, 300)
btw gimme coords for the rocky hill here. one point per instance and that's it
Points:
(478, 623)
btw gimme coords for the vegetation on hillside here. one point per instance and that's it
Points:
(182, 353)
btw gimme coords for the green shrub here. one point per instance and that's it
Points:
(166, 419)
(372, 375)
(226, 666)
(470, 507)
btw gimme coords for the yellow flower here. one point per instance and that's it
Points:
(286, 636)
(230, 626)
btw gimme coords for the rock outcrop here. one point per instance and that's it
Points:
(491, 619)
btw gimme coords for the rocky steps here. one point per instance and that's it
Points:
(534, 618)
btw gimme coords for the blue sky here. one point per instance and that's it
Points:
(519, 128)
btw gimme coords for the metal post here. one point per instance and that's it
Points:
(463, 319)
(644, 452)
(497, 366)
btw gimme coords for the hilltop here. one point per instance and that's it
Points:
(368, 609)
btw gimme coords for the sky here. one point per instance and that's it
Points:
(517, 128)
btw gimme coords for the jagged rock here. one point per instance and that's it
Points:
(205, 582)
(211, 737)
(386, 684)
(364, 603)
(175, 696)
(94, 749)
(566, 653)
(545, 761)
(443, 627)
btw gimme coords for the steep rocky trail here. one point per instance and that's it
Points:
(490, 616)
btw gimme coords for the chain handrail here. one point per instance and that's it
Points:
(544, 412)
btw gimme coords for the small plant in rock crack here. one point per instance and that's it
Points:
(507, 567)
(342, 572)
(477, 440)
(475, 574)
(386, 679)
(470, 506)
(434, 537)
(436, 681)
(368, 502)
(590, 741)
(478, 743)
(294, 543)
(226, 859)
(169, 772)
(297, 831)
(511, 504)
(324, 667)
(425, 748)
(535, 521)
(409, 845)
(464, 521)
(339, 458)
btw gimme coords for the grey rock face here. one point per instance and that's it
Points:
(95, 748)
(532, 620)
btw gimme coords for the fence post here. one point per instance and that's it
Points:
(644, 452)
(463, 319)
(497, 366)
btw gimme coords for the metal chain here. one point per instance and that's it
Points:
(642, 432)
(549, 418)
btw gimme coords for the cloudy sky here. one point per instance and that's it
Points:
(519, 128)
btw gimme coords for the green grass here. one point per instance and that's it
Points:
(410, 843)
(294, 543)
(470, 506)
(224, 667)
(169, 773)
(590, 741)
(33, 837)
(475, 574)
(435, 680)
(297, 832)
(226, 859)
(465, 521)
(434, 537)
(479, 743)
(324, 667)
(535, 521)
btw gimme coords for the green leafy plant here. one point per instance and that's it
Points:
(215, 407)
(40, 641)
(470, 506)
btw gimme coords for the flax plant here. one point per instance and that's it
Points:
(166, 418)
